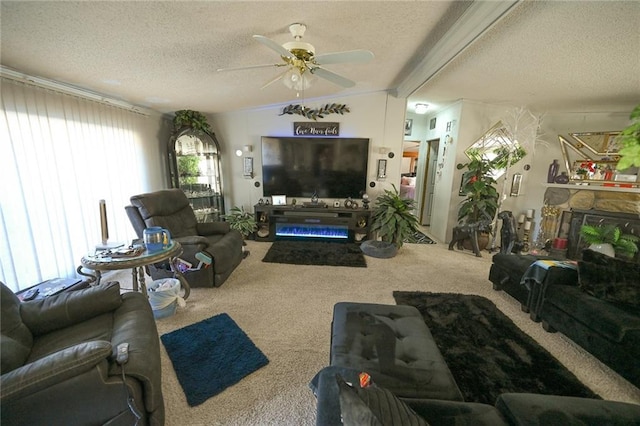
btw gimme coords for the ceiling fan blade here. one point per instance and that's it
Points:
(332, 77)
(351, 56)
(278, 78)
(274, 46)
(249, 67)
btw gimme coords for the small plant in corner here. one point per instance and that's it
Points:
(192, 119)
(624, 245)
(242, 221)
(393, 217)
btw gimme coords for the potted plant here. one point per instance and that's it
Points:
(481, 198)
(609, 240)
(630, 140)
(242, 221)
(392, 217)
(481, 202)
(192, 119)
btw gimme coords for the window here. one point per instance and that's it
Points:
(61, 154)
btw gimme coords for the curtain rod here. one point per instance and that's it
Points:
(70, 90)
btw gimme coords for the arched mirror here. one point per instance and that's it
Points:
(194, 167)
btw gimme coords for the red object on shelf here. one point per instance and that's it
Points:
(560, 243)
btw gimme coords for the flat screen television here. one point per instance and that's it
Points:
(302, 166)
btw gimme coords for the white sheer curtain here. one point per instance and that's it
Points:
(60, 155)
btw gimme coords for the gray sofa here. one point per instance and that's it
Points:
(59, 359)
(413, 386)
(170, 209)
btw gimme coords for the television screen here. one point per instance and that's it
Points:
(329, 167)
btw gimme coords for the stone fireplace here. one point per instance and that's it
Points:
(592, 205)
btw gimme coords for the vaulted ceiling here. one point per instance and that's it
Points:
(547, 55)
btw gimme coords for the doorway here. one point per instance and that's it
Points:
(427, 157)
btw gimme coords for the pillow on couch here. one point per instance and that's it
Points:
(608, 278)
(374, 406)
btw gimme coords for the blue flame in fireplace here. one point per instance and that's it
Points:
(312, 231)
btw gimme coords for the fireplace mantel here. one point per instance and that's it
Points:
(584, 197)
(592, 187)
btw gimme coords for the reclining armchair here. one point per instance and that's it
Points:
(59, 362)
(170, 209)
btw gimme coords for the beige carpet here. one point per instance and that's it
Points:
(286, 310)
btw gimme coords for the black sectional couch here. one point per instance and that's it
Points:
(600, 311)
(413, 386)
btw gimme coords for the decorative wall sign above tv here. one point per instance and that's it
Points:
(315, 113)
(312, 128)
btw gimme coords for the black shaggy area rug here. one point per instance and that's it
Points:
(316, 253)
(486, 352)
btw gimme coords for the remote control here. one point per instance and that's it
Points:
(122, 353)
(31, 294)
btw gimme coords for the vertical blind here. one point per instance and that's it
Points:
(60, 155)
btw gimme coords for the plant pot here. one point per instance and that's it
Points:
(604, 248)
(483, 242)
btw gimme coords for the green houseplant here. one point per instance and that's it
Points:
(481, 195)
(630, 140)
(192, 119)
(392, 217)
(623, 245)
(242, 221)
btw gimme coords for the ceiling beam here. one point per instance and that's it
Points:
(474, 22)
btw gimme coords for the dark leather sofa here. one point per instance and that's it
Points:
(600, 311)
(170, 209)
(507, 271)
(59, 359)
(384, 340)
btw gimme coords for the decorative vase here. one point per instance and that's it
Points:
(553, 171)
(562, 178)
(604, 248)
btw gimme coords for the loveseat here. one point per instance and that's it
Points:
(411, 387)
(600, 311)
(59, 359)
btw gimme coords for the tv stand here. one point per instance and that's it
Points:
(291, 222)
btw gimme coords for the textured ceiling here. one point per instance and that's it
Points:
(580, 56)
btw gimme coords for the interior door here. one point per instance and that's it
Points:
(429, 181)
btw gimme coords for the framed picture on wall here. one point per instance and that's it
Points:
(408, 126)
(247, 169)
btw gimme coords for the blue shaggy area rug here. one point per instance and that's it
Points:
(211, 355)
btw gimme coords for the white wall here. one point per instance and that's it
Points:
(377, 116)
(380, 117)
(470, 120)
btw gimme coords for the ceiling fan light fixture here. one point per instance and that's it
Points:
(296, 80)
(421, 108)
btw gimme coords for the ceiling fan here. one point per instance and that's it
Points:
(302, 63)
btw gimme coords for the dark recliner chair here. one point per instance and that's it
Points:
(59, 359)
(170, 209)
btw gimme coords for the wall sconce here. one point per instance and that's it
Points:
(421, 108)
(246, 150)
